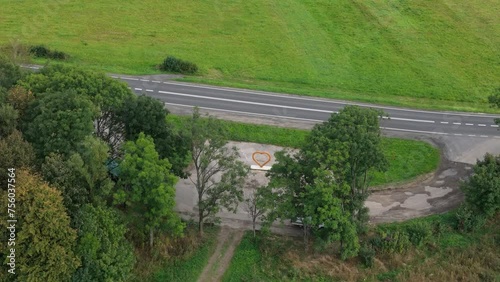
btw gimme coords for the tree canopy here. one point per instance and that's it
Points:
(148, 115)
(146, 188)
(220, 175)
(105, 253)
(45, 241)
(57, 122)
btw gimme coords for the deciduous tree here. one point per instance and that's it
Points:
(57, 122)
(106, 93)
(482, 189)
(15, 152)
(146, 188)
(105, 253)
(45, 243)
(220, 175)
(148, 115)
(8, 119)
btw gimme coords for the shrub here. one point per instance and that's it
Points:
(418, 232)
(395, 241)
(467, 220)
(172, 64)
(41, 51)
(366, 254)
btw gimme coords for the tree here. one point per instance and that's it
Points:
(148, 115)
(106, 93)
(57, 122)
(45, 242)
(10, 73)
(146, 188)
(20, 98)
(258, 201)
(15, 152)
(105, 253)
(315, 196)
(482, 189)
(494, 100)
(67, 176)
(354, 131)
(220, 176)
(82, 177)
(8, 119)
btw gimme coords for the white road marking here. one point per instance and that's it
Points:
(114, 76)
(149, 90)
(457, 123)
(240, 112)
(155, 81)
(444, 122)
(128, 78)
(415, 131)
(494, 125)
(457, 134)
(483, 135)
(469, 124)
(244, 102)
(481, 124)
(144, 80)
(138, 89)
(471, 135)
(292, 96)
(414, 120)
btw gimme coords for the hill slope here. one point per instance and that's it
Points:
(433, 54)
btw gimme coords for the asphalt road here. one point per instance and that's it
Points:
(302, 108)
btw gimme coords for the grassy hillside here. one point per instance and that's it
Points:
(439, 54)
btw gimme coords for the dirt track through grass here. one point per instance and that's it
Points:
(227, 241)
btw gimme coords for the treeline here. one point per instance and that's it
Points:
(95, 168)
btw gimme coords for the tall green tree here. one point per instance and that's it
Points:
(15, 152)
(356, 132)
(57, 122)
(105, 253)
(45, 243)
(106, 93)
(83, 176)
(482, 189)
(10, 73)
(220, 175)
(148, 115)
(8, 119)
(20, 98)
(146, 189)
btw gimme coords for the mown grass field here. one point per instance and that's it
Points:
(447, 256)
(439, 54)
(407, 158)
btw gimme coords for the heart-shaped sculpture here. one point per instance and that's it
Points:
(261, 163)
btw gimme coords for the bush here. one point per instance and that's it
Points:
(41, 51)
(366, 254)
(395, 241)
(467, 220)
(418, 232)
(173, 64)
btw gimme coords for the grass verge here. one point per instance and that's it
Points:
(407, 158)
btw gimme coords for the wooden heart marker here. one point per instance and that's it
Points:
(259, 163)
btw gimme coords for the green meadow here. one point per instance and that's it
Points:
(440, 54)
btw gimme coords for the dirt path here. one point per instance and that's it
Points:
(227, 241)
